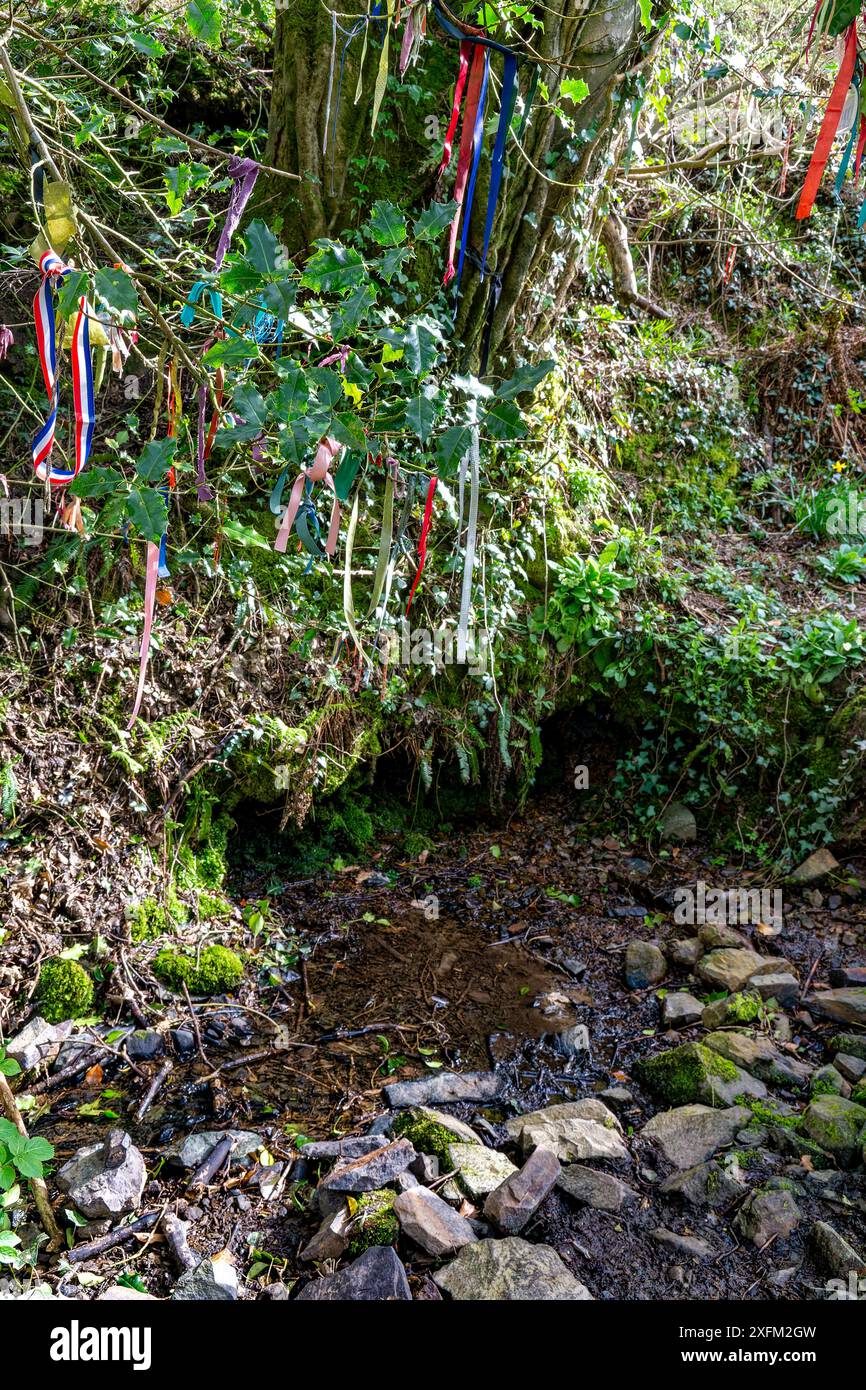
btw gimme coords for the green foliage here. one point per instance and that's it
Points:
(373, 1221)
(65, 990)
(583, 611)
(219, 970)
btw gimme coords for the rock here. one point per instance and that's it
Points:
(121, 1294)
(836, 1125)
(377, 1276)
(644, 965)
(105, 1179)
(841, 1005)
(737, 1009)
(444, 1088)
(510, 1205)
(619, 1096)
(213, 1280)
(144, 1044)
(354, 1146)
(828, 1081)
(832, 1253)
(732, 968)
(277, 1292)
(692, 1133)
(680, 1010)
(571, 1042)
(813, 869)
(758, 1056)
(690, 1246)
(850, 1043)
(480, 1169)
(686, 953)
(426, 1168)
(677, 822)
(780, 985)
(509, 1270)
(37, 1042)
(596, 1189)
(431, 1223)
(331, 1239)
(192, 1149)
(370, 1171)
(693, 1072)
(714, 936)
(852, 1068)
(184, 1041)
(704, 1185)
(765, 1214)
(431, 1130)
(583, 1129)
(404, 1182)
(854, 975)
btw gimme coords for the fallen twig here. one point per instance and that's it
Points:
(97, 1247)
(151, 1093)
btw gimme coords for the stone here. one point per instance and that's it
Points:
(105, 1179)
(576, 1130)
(686, 953)
(354, 1146)
(842, 1005)
(677, 822)
(595, 1188)
(144, 1044)
(836, 1125)
(443, 1088)
(510, 1205)
(814, 869)
(120, 1294)
(693, 1072)
(736, 1009)
(37, 1042)
(832, 1253)
(713, 936)
(431, 1223)
(645, 965)
(184, 1041)
(848, 975)
(192, 1149)
(680, 1010)
(705, 1185)
(780, 985)
(758, 1056)
(212, 1281)
(509, 1270)
(370, 1171)
(480, 1170)
(692, 1133)
(850, 1043)
(331, 1239)
(852, 1068)
(571, 1042)
(425, 1168)
(689, 1246)
(404, 1182)
(377, 1276)
(465, 1133)
(828, 1081)
(619, 1096)
(765, 1214)
(732, 968)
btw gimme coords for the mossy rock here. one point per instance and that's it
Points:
(219, 970)
(837, 1125)
(429, 1134)
(373, 1220)
(692, 1072)
(65, 990)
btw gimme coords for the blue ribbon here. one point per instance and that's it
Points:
(477, 144)
(509, 93)
(855, 129)
(187, 313)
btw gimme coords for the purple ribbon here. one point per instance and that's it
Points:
(6, 340)
(243, 173)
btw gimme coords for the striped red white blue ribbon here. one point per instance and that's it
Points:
(53, 270)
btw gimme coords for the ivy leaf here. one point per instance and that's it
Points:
(504, 421)
(333, 268)
(147, 511)
(574, 89)
(156, 459)
(263, 249)
(229, 351)
(419, 416)
(204, 20)
(433, 221)
(646, 14)
(386, 224)
(117, 289)
(525, 379)
(177, 178)
(96, 482)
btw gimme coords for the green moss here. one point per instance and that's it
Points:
(764, 1113)
(213, 905)
(743, 1007)
(746, 1158)
(219, 970)
(680, 1075)
(415, 843)
(858, 1095)
(152, 919)
(65, 990)
(426, 1134)
(373, 1220)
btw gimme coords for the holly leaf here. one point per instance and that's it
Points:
(421, 345)
(386, 224)
(262, 247)
(574, 89)
(504, 421)
(279, 298)
(147, 510)
(156, 459)
(96, 482)
(453, 443)
(333, 268)
(646, 14)
(419, 416)
(433, 221)
(204, 20)
(117, 289)
(291, 396)
(230, 351)
(525, 379)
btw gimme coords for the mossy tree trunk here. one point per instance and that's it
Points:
(533, 242)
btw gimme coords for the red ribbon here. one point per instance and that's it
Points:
(422, 542)
(467, 133)
(829, 126)
(460, 87)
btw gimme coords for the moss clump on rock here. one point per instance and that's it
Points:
(684, 1074)
(219, 970)
(425, 1134)
(65, 990)
(373, 1220)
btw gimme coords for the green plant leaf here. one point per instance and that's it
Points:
(156, 459)
(386, 224)
(117, 289)
(147, 511)
(204, 20)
